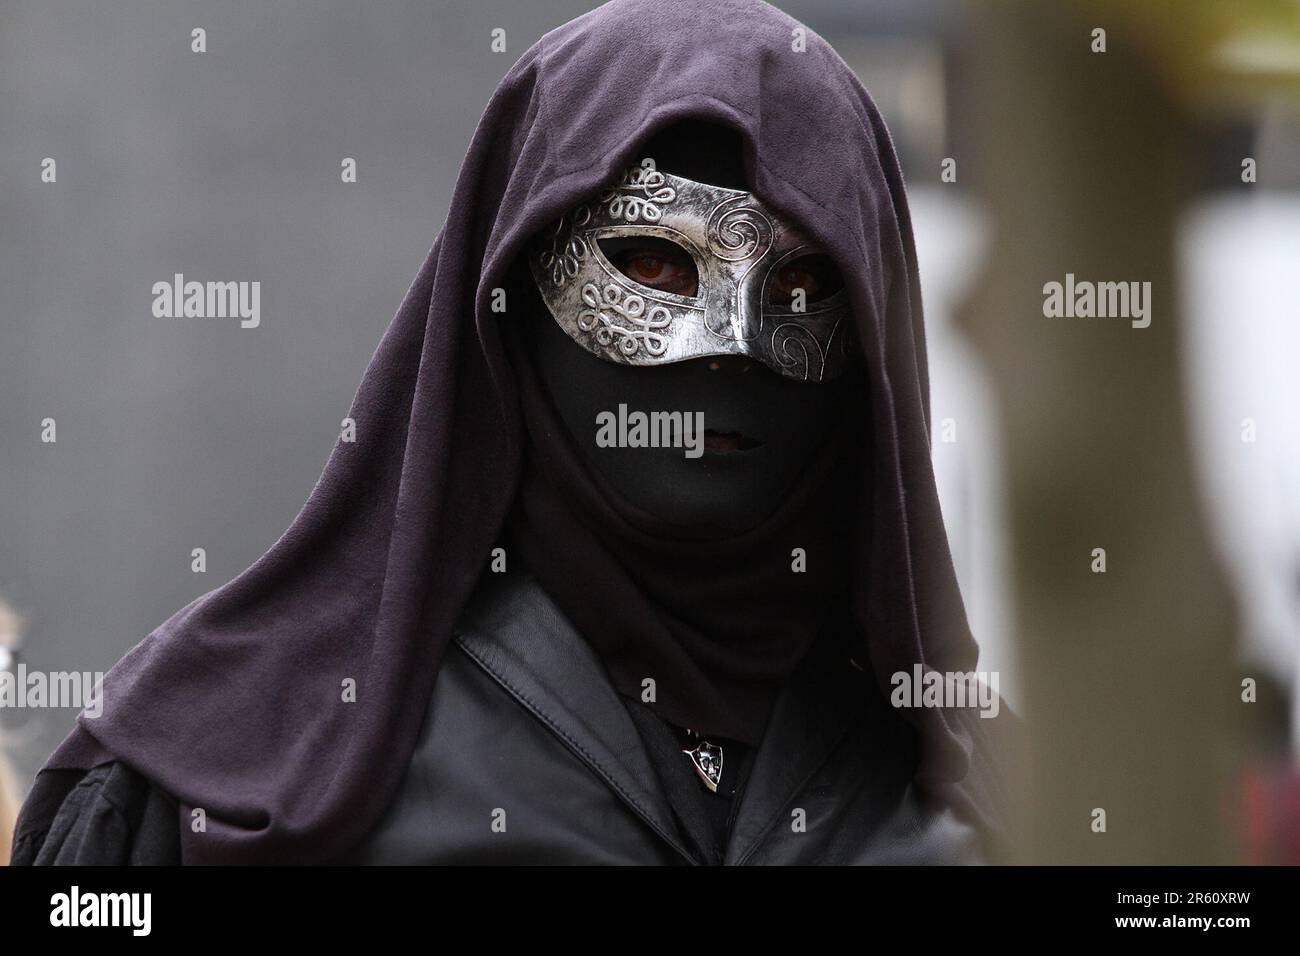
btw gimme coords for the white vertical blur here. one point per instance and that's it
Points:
(951, 237)
(1240, 267)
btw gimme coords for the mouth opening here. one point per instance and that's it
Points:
(716, 441)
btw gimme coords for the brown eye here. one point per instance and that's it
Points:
(789, 278)
(654, 262)
(815, 274)
(645, 267)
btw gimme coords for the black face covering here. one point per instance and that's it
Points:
(778, 422)
(716, 622)
(708, 576)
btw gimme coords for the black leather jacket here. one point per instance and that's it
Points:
(525, 724)
(528, 756)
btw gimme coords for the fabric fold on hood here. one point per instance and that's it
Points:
(235, 705)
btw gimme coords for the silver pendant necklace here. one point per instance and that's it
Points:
(706, 758)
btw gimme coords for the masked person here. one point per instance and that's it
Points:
(508, 628)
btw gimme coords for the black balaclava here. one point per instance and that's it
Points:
(709, 575)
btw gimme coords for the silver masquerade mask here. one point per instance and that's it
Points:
(738, 244)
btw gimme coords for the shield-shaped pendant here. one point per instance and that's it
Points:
(706, 758)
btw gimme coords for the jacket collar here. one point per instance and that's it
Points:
(810, 717)
(517, 634)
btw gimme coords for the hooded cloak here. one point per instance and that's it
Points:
(235, 704)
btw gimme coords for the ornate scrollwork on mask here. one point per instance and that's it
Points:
(640, 327)
(567, 248)
(641, 193)
(737, 231)
(797, 351)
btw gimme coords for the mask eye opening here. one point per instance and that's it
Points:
(654, 263)
(813, 273)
